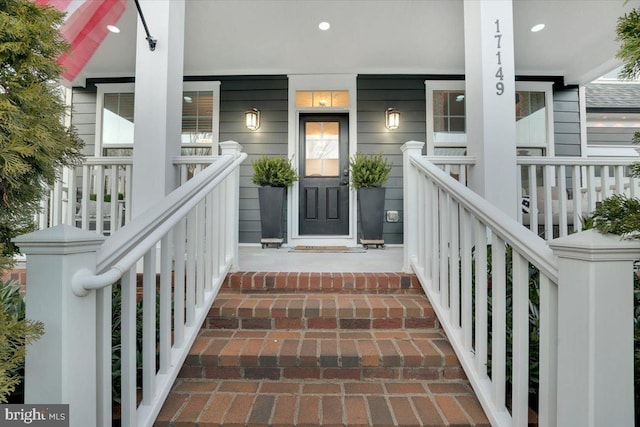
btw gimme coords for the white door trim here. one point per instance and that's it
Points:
(320, 82)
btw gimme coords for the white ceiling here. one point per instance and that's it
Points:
(234, 37)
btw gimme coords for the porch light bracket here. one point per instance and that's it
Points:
(152, 42)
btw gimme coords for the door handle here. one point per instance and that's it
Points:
(345, 177)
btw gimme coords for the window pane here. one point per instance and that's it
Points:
(117, 118)
(304, 98)
(322, 99)
(197, 117)
(531, 119)
(449, 117)
(340, 98)
(322, 149)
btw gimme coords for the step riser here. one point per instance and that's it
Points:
(336, 373)
(321, 323)
(379, 283)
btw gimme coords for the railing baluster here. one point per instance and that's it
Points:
(577, 199)
(149, 343)
(467, 285)
(99, 170)
(217, 244)
(420, 196)
(548, 367)
(165, 303)
(548, 213)
(604, 182)
(84, 209)
(435, 242)
(179, 239)
(591, 187)
(533, 200)
(71, 197)
(208, 267)
(128, 170)
(562, 196)
(519, 193)
(619, 177)
(498, 321)
(454, 260)
(520, 333)
(481, 299)
(113, 183)
(192, 231)
(200, 262)
(222, 230)
(128, 348)
(104, 354)
(444, 230)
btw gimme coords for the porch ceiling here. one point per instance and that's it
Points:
(227, 37)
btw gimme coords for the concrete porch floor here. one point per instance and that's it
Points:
(254, 258)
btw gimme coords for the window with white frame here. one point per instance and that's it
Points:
(115, 123)
(446, 118)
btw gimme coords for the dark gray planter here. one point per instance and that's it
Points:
(272, 211)
(371, 212)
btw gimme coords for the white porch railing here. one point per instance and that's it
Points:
(558, 191)
(93, 196)
(483, 273)
(190, 238)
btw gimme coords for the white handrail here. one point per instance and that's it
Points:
(504, 226)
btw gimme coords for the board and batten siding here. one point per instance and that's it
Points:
(566, 121)
(83, 117)
(269, 94)
(375, 95)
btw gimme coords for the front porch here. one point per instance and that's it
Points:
(477, 266)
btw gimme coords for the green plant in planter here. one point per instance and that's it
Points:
(368, 170)
(106, 198)
(273, 171)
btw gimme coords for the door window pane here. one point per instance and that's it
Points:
(322, 149)
(117, 119)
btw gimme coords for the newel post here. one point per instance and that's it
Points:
(61, 365)
(232, 203)
(410, 201)
(595, 329)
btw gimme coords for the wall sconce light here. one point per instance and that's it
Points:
(252, 119)
(392, 118)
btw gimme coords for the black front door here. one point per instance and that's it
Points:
(324, 174)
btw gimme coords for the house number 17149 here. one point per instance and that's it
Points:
(499, 73)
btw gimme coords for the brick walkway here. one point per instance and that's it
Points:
(324, 349)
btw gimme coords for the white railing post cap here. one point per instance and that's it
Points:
(59, 240)
(230, 147)
(591, 245)
(412, 145)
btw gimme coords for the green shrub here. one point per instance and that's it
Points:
(368, 170)
(106, 198)
(16, 333)
(273, 171)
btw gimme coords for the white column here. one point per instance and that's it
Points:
(61, 365)
(595, 329)
(410, 200)
(158, 103)
(490, 100)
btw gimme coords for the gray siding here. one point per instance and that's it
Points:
(610, 135)
(83, 117)
(268, 94)
(375, 95)
(566, 121)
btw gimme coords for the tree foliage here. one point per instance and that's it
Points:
(34, 141)
(628, 34)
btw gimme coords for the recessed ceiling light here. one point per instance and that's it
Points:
(113, 29)
(459, 98)
(324, 26)
(537, 28)
(188, 99)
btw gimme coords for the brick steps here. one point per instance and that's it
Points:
(233, 310)
(293, 282)
(321, 349)
(320, 403)
(275, 355)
